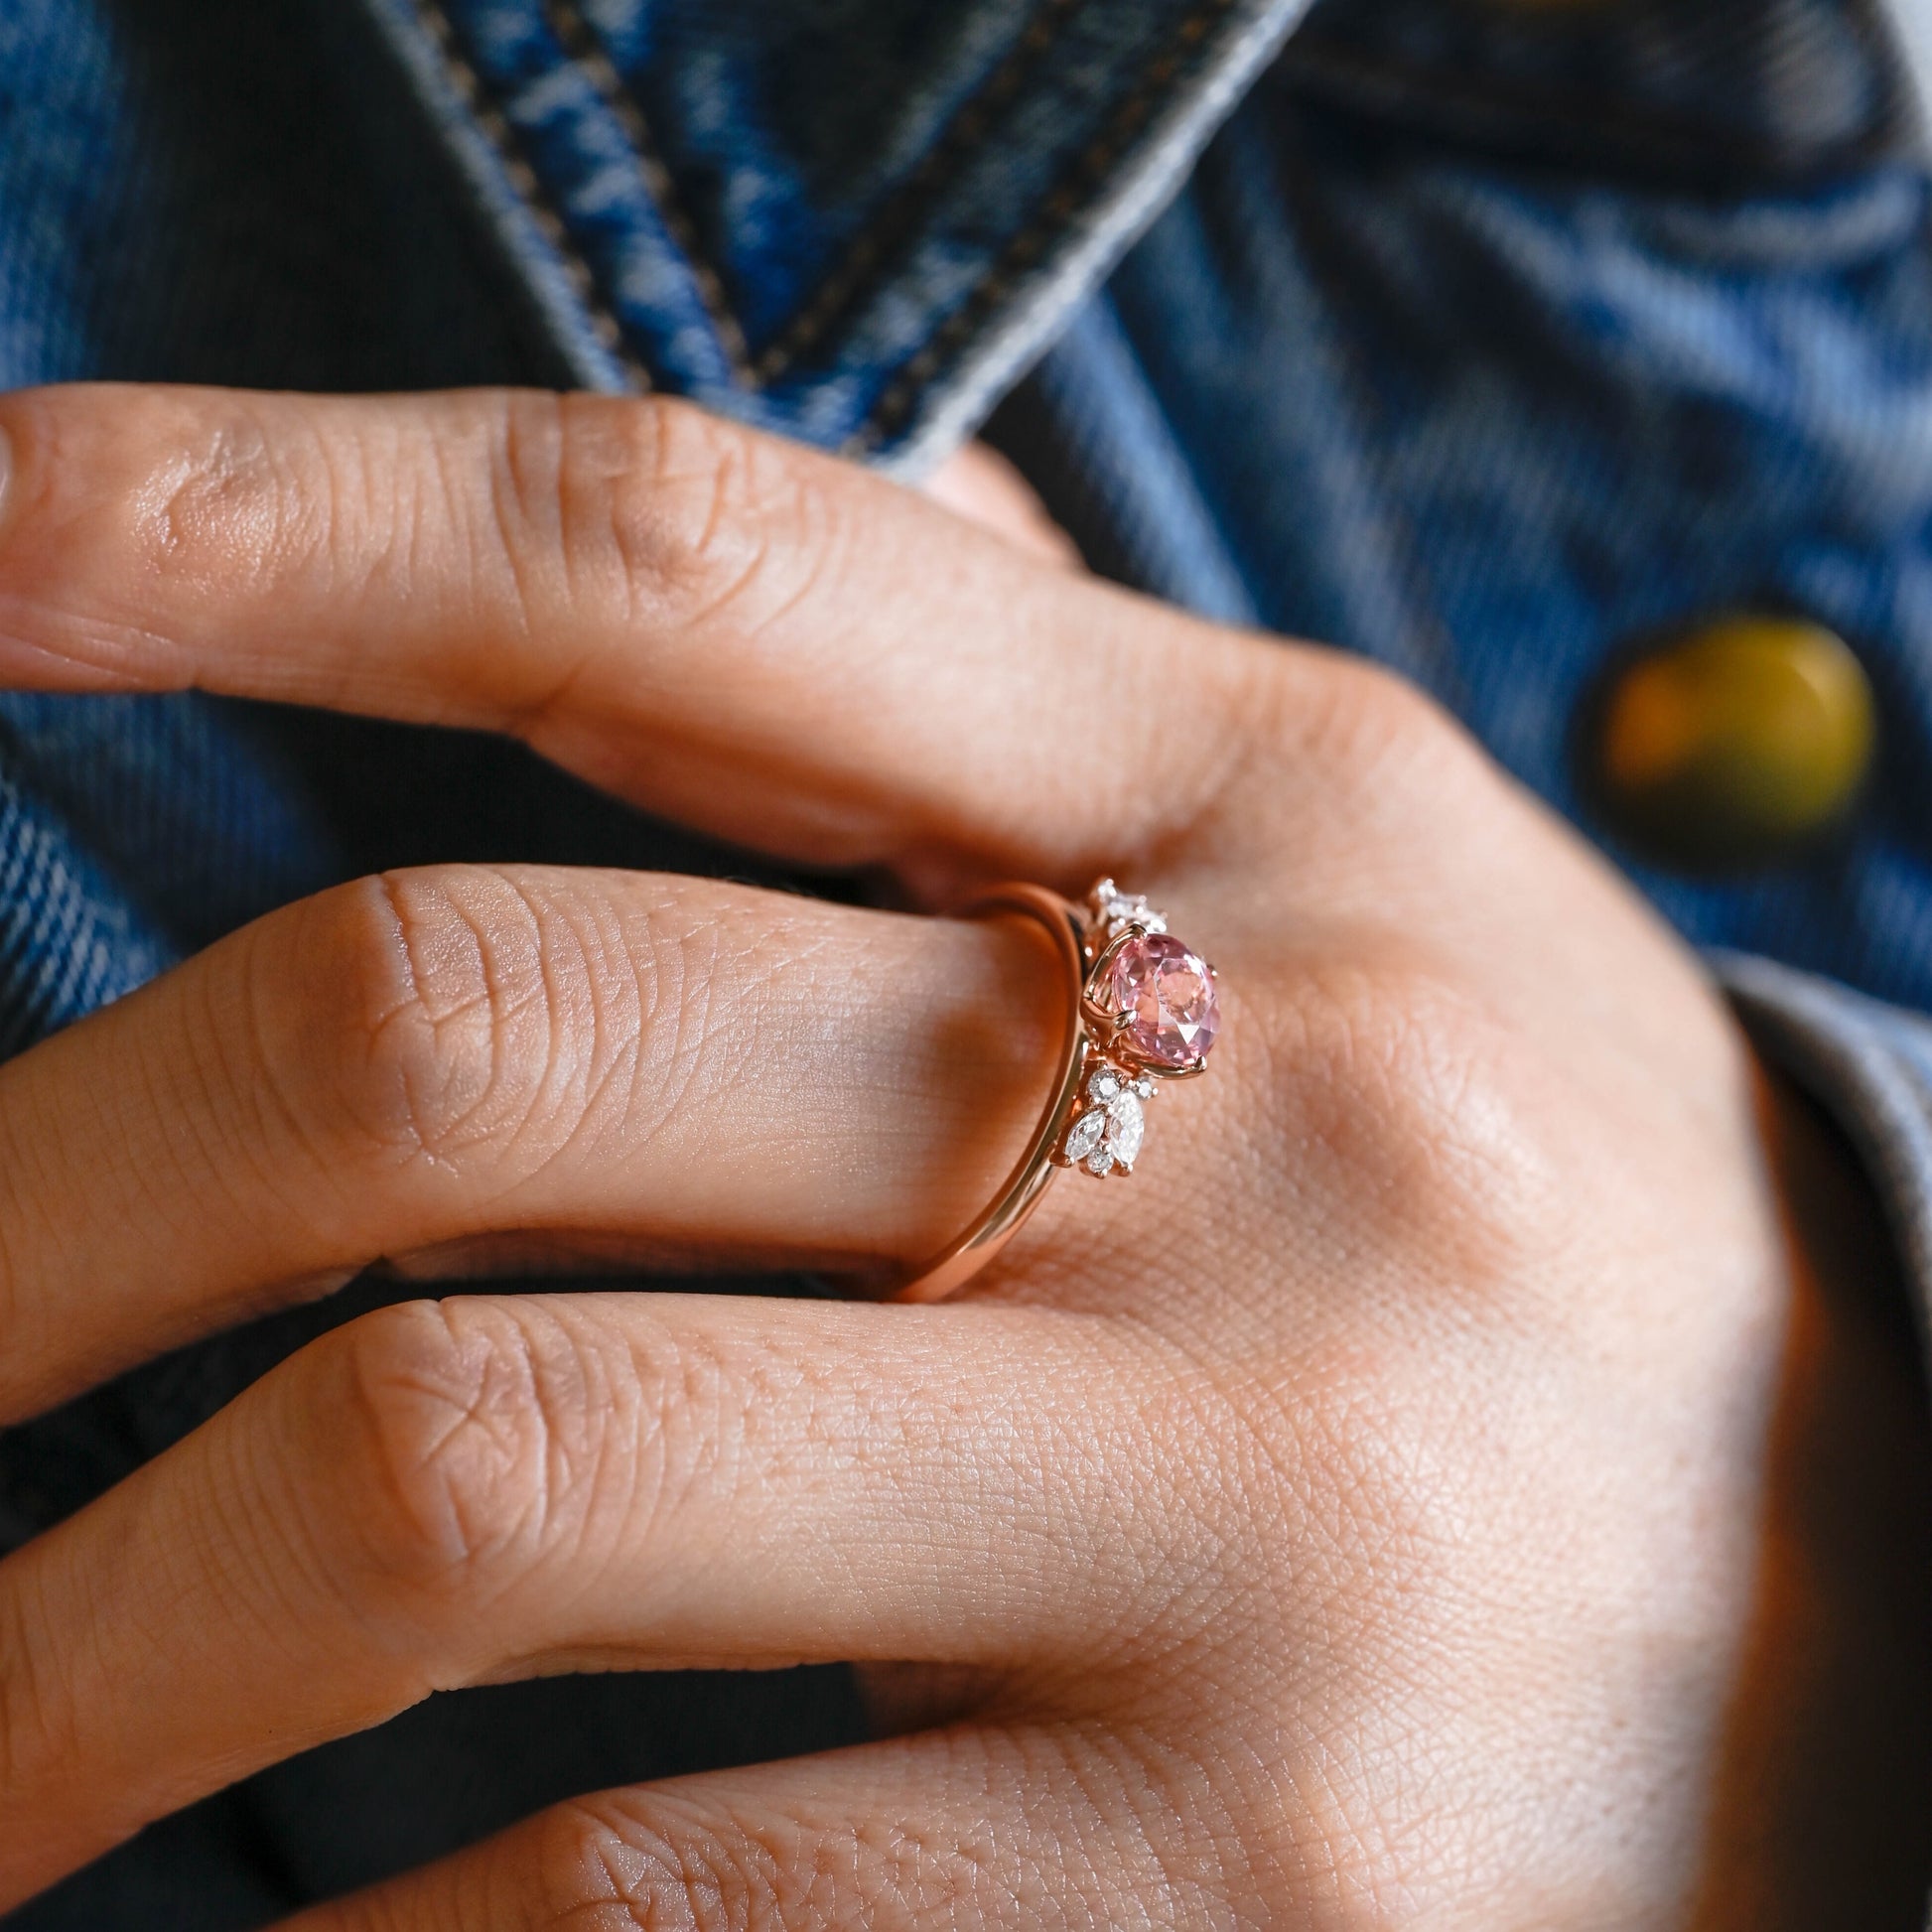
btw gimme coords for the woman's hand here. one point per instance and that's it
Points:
(1437, 1489)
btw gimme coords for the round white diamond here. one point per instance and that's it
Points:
(1104, 1085)
(1099, 1161)
(1126, 1127)
(1084, 1135)
(1123, 910)
(1117, 909)
(1145, 1088)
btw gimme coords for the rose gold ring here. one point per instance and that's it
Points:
(1142, 1007)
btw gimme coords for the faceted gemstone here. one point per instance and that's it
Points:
(1084, 1135)
(1170, 994)
(1126, 1127)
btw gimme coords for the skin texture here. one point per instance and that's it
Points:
(1471, 1475)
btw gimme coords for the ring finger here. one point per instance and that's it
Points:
(671, 1064)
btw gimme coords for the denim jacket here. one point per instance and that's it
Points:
(1477, 337)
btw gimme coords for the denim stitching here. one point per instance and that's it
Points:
(967, 130)
(524, 179)
(581, 45)
(1026, 248)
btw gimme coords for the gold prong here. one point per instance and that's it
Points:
(1099, 1019)
(1132, 930)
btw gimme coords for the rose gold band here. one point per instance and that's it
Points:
(1141, 1010)
(956, 1263)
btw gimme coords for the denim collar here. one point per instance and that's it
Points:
(857, 221)
(852, 221)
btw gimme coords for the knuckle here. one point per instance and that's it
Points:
(1372, 708)
(455, 1423)
(456, 1017)
(489, 1439)
(1411, 1093)
(1388, 736)
(691, 516)
(629, 1871)
(1382, 768)
(248, 498)
(623, 1862)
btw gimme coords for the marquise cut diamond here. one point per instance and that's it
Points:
(1126, 1127)
(1085, 1134)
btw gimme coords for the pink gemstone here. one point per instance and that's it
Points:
(1171, 993)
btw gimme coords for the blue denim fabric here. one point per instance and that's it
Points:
(849, 220)
(1481, 340)
(1458, 401)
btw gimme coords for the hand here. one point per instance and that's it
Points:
(1464, 1478)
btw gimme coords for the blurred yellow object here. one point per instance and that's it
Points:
(1736, 742)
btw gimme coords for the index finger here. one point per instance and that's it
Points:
(730, 629)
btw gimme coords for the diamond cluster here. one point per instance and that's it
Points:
(1115, 910)
(1108, 1129)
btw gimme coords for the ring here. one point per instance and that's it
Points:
(1142, 1007)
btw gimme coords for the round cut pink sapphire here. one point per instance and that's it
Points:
(1168, 994)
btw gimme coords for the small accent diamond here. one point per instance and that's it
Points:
(1115, 909)
(1099, 1161)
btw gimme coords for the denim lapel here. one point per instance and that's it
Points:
(852, 221)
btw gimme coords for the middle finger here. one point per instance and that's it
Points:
(729, 629)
